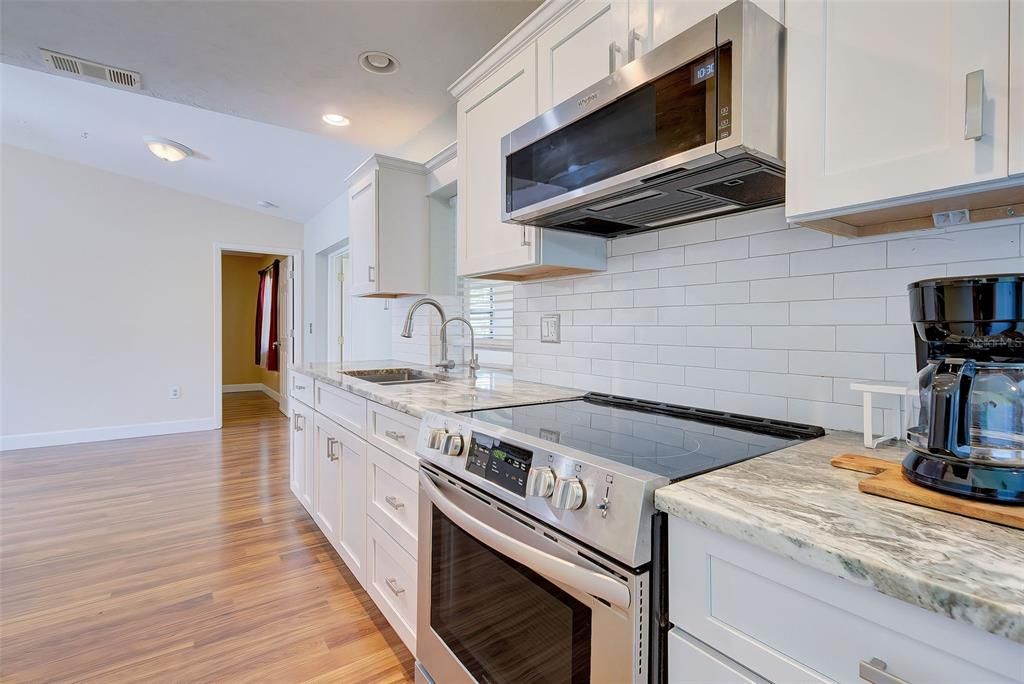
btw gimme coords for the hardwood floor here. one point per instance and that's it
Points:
(182, 558)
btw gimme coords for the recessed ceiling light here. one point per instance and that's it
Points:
(335, 119)
(165, 149)
(377, 62)
(266, 204)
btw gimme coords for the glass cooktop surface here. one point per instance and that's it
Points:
(674, 441)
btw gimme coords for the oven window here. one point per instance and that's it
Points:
(674, 113)
(504, 622)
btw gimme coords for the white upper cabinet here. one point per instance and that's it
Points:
(389, 231)
(1016, 162)
(582, 47)
(890, 100)
(671, 17)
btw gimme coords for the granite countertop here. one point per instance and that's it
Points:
(456, 392)
(794, 503)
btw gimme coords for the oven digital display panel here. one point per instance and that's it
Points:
(503, 464)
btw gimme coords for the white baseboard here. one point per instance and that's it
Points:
(102, 434)
(270, 393)
(245, 387)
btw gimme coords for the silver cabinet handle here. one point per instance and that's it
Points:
(525, 242)
(613, 59)
(370, 274)
(634, 38)
(330, 448)
(300, 428)
(874, 672)
(393, 586)
(974, 105)
(394, 503)
(397, 436)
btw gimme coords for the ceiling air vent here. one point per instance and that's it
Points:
(76, 66)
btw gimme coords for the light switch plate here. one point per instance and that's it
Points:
(551, 328)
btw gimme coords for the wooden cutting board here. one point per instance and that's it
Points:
(888, 481)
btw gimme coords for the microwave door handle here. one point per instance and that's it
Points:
(556, 569)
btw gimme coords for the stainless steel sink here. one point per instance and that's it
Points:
(392, 376)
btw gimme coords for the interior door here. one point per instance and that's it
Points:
(327, 497)
(580, 49)
(885, 92)
(502, 102)
(362, 227)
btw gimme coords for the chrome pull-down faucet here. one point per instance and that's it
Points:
(444, 364)
(474, 362)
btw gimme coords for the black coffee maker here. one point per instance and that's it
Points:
(969, 437)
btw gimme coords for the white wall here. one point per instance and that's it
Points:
(108, 299)
(744, 314)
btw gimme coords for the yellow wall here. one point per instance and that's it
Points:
(239, 284)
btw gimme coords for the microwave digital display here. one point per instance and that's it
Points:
(702, 71)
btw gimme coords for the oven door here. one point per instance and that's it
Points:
(656, 114)
(505, 599)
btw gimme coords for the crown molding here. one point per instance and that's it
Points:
(531, 27)
(446, 154)
(382, 161)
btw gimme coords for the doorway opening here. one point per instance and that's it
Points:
(258, 311)
(337, 311)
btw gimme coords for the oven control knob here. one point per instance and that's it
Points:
(436, 438)
(540, 482)
(569, 494)
(452, 445)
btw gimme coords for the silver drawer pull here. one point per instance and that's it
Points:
(394, 503)
(875, 673)
(393, 586)
(299, 428)
(397, 436)
(330, 448)
(974, 105)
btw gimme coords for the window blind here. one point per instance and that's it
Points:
(488, 306)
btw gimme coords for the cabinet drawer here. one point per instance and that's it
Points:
(342, 407)
(302, 387)
(393, 431)
(788, 622)
(393, 493)
(392, 582)
(692, 662)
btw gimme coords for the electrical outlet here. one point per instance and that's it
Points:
(174, 392)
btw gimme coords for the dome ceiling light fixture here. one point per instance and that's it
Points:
(266, 204)
(377, 62)
(165, 149)
(335, 120)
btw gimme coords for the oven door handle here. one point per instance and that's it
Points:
(552, 567)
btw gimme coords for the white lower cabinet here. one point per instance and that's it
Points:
(391, 582)
(302, 454)
(327, 492)
(340, 491)
(693, 662)
(392, 490)
(787, 622)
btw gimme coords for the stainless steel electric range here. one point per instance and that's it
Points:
(540, 553)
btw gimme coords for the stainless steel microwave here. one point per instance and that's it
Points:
(691, 130)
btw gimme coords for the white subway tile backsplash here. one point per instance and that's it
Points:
(808, 338)
(611, 300)
(631, 244)
(720, 250)
(747, 315)
(964, 245)
(845, 364)
(838, 259)
(718, 378)
(635, 281)
(884, 282)
(720, 293)
(875, 338)
(718, 336)
(752, 314)
(836, 311)
(812, 387)
(788, 241)
(660, 334)
(790, 289)
(770, 360)
(751, 223)
(754, 268)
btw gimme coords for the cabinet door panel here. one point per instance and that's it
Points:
(669, 18)
(881, 88)
(302, 447)
(502, 102)
(327, 496)
(1016, 161)
(352, 523)
(580, 49)
(362, 226)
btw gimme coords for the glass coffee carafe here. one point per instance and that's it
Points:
(969, 435)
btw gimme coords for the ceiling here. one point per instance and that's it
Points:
(244, 83)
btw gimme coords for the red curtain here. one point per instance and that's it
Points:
(272, 346)
(259, 317)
